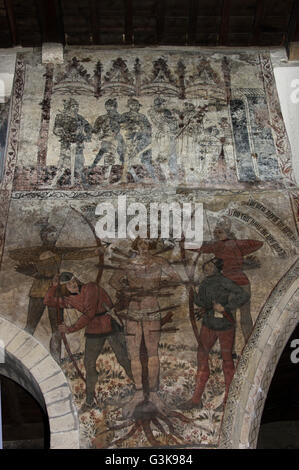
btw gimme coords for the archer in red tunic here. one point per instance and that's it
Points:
(94, 302)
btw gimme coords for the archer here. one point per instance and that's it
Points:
(93, 302)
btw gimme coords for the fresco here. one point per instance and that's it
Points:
(147, 329)
(151, 118)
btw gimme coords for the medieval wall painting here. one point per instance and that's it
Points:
(148, 332)
(151, 118)
(151, 372)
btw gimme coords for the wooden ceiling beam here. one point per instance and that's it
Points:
(293, 27)
(93, 21)
(129, 36)
(160, 21)
(192, 22)
(51, 20)
(15, 40)
(224, 27)
(258, 20)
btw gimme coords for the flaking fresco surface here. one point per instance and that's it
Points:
(152, 118)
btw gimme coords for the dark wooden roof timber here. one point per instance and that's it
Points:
(149, 22)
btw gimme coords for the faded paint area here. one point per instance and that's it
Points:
(196, 120)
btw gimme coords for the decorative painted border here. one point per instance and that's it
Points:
(281, 140)
(12, 149)
(14, 125)
(294, 201)
(54, 194)
(45, 117)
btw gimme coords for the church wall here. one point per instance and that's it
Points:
(150, 126)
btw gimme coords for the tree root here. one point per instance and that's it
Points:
(146, 413)
(131, 433)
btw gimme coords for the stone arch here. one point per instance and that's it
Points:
(29, 363)
(275, 324)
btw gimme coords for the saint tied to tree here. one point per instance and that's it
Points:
(139, 279)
